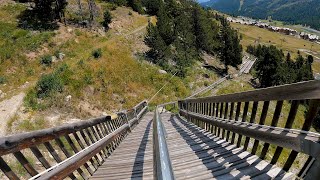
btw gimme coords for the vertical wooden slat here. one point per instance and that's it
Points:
(62, 147)
(230, 118)
(216, 115)
(98, 136)
(220, 116)
(25, 163)
(67, 153)
(310, 164)
(110, 130)
(86, 140)
(82, 146)
(274, 123)
(40, 157)
(312, 113)
(244, 117)
(261, 122)
(208, 108)
(221, 110)
(52, 152)
(209, 114)
(217, 109)
(7, 170)
(55, 155)
(75, 150)
(225, 117)
(289, 122)
(236, 119)
(252, 120)
(212, 114)
(98, 131)
(93, 140)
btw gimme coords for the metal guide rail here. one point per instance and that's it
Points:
(256, 120)
(162, 168)
(73, 150)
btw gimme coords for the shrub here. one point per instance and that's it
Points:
(97, 53)
(48, 84)
(78, 32)
(46, 60)
(31, 101)
(2, 80)
(106, 19)
(88, 79)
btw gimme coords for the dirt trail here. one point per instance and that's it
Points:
(8, 108)
(137, 30)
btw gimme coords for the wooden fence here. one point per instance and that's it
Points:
(72, 150)
(273, 121)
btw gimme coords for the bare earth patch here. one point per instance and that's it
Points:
(8, 109)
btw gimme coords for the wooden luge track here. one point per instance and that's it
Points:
(194, 153)
(218, 137)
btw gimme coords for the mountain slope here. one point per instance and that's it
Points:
(291, 11)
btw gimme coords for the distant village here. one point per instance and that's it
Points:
(283, 30)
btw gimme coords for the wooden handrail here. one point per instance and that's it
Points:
(66, 144)
(71, 164)
(302, 90)
(13, 143)
(229, 117)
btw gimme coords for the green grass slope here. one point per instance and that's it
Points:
(117, 80)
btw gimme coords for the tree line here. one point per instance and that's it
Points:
(274, 68)
(184, 30)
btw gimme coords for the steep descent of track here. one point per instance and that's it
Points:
(194, 153)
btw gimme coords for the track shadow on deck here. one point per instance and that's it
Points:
(228, 161)
(137, 171)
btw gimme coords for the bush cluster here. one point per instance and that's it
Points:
(48, 84)
(46, 60)
(2, 80)
(97, 53)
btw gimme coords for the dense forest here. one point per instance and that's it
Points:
(184, 30)
(305, 12)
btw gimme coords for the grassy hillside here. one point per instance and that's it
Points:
(254, 35)
(83, 86)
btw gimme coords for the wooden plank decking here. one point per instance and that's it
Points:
(194, 153)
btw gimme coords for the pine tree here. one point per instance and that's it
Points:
(165, 26)
(158, 48)
(206, 31)
(106, 19)
(136, 5)
(153, 6)
(185, 51)
(267, 66)
(230, 50)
